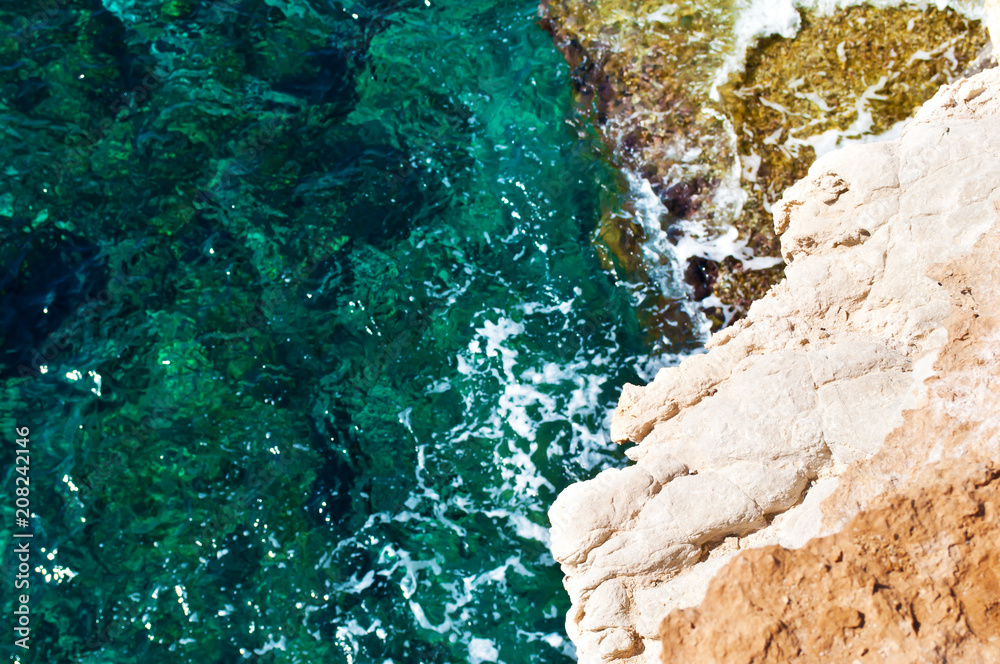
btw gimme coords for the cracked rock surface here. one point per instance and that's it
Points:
(790, 414)
(916, 578)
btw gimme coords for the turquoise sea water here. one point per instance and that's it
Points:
(302, 307)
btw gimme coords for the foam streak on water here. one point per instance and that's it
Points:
(504, 395)
(519, 410)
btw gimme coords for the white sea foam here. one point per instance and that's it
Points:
(482, 650)
(696, 240)
(272, 644)
(521, 397)
(508, 399)
(346, 637)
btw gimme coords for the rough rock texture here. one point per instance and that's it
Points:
(874, 357)
(651, 70)
(915, 579)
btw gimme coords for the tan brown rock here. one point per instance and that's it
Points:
(914, 579)
(875, 357)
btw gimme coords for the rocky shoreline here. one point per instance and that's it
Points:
(856, 402)
(718, 148)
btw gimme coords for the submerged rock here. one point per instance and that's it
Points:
(720, 133)
(875, 357)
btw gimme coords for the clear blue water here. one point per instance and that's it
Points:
(337, 399)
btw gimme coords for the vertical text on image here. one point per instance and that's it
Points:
(22, 537)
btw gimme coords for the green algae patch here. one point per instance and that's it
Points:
(849, 76)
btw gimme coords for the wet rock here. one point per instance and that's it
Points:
(719, 145)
